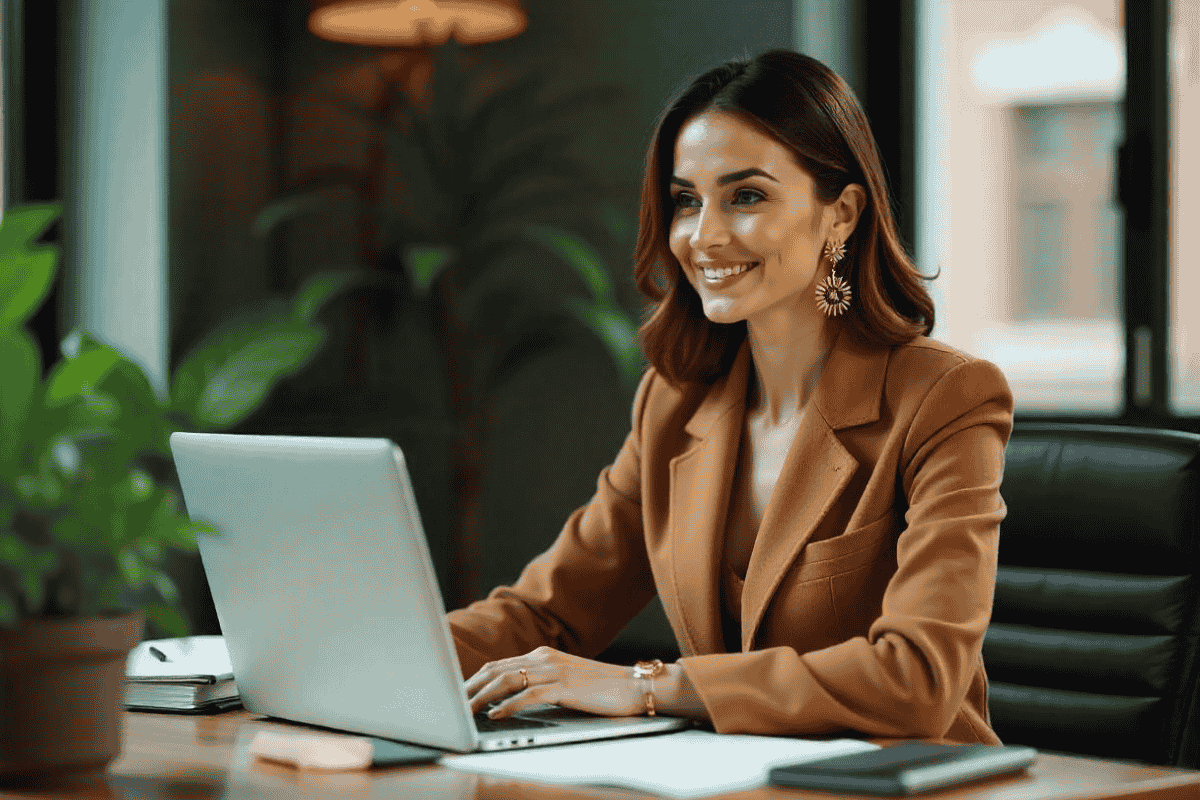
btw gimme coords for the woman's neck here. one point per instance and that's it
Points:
(789, 352)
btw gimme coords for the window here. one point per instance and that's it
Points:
(1017, 202)
(1184, 279)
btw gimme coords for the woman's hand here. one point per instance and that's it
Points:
(558, 678)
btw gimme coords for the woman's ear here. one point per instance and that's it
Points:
(847, 209)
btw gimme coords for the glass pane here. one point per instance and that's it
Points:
(1019, 108)
(1184, 65)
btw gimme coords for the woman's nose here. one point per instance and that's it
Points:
(711, 229)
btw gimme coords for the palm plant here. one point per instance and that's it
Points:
(461, 243)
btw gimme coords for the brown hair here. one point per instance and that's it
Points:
(809, 109)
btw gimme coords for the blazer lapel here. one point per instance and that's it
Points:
(701, 482)
(815, 471)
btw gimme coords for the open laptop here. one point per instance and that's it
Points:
(327, 598)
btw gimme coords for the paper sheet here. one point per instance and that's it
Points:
(687, 764)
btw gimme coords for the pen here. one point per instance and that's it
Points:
(159, 654)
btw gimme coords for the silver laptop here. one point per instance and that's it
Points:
(327, 598)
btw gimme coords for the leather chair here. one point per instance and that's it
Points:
(1094, 645)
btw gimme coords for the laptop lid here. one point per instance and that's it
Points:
(323, 584)
(327, 597)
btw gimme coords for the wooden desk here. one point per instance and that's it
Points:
(167, 756)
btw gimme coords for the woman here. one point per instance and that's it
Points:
(810, 484)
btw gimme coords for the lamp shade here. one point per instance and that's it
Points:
(414, 23)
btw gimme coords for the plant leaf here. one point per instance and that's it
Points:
(424, 262)
(245, 374)
(578, 255)
(72, 377)
(614, 328)
(8, 609)
(164, 586)
(14, 552)
(167, 618)
(26, 272)
(21, 368)
(132, 569)
(320, 288)
(296, 204)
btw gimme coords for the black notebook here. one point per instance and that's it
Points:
(906, 768)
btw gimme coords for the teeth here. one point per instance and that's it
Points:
(725, 272)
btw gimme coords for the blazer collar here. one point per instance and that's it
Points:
(815, 472)
(848, 393)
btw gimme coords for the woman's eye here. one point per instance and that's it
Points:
(754, 195)
(682, 199)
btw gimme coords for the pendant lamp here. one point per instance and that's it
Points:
(415, 23)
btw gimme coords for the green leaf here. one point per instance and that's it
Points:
(72, 377)
(132, 569)
(228, 375)
(578, 255)
(167, 618)
(14, 552)
(70, 531)
(297, 204)
(241, 382)
(20, 368)
(320, 288)
(164, 586)
(181, 532)
(424, 262)
(26, 272)
(8, 609)
(614, 328)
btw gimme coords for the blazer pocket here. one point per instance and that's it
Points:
(847, 552)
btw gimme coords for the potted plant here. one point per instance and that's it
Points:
(88, 510)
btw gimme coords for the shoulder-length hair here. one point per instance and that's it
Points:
(804, 105)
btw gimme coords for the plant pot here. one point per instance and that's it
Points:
(62, 686)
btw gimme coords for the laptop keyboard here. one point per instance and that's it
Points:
(486, 724)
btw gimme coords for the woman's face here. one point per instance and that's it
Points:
(743, 205)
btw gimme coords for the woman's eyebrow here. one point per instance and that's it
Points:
(724, 179)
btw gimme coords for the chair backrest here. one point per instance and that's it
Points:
(1093, 646)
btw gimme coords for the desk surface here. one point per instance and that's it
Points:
(169, 756)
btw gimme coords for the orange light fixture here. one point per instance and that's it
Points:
(415, 23)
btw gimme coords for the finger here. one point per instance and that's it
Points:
(489, 672)
(534, 695)
(501, 686)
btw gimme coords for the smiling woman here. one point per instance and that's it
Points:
(811, 485)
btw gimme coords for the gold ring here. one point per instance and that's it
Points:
(524, 679)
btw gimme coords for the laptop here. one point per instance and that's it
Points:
(327, 598)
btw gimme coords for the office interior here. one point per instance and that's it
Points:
(1035, 150)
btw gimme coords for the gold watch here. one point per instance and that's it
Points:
(649, 670)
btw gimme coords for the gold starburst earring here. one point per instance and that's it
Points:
(833, 293)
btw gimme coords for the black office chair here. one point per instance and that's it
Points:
(1094, 646)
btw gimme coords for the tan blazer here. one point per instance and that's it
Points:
(869, 588)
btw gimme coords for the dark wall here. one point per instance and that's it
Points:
(250, 116)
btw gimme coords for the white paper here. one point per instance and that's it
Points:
(687, 764)
(189, 655)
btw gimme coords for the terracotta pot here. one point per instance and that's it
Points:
(62, 685)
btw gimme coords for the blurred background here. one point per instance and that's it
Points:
(477, 165)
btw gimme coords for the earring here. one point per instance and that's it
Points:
(833, 293)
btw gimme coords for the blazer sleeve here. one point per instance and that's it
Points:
(579, 594)
(909, 676)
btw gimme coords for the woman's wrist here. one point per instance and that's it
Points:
(673, 693)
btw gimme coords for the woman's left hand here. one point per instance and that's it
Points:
(558, 678)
